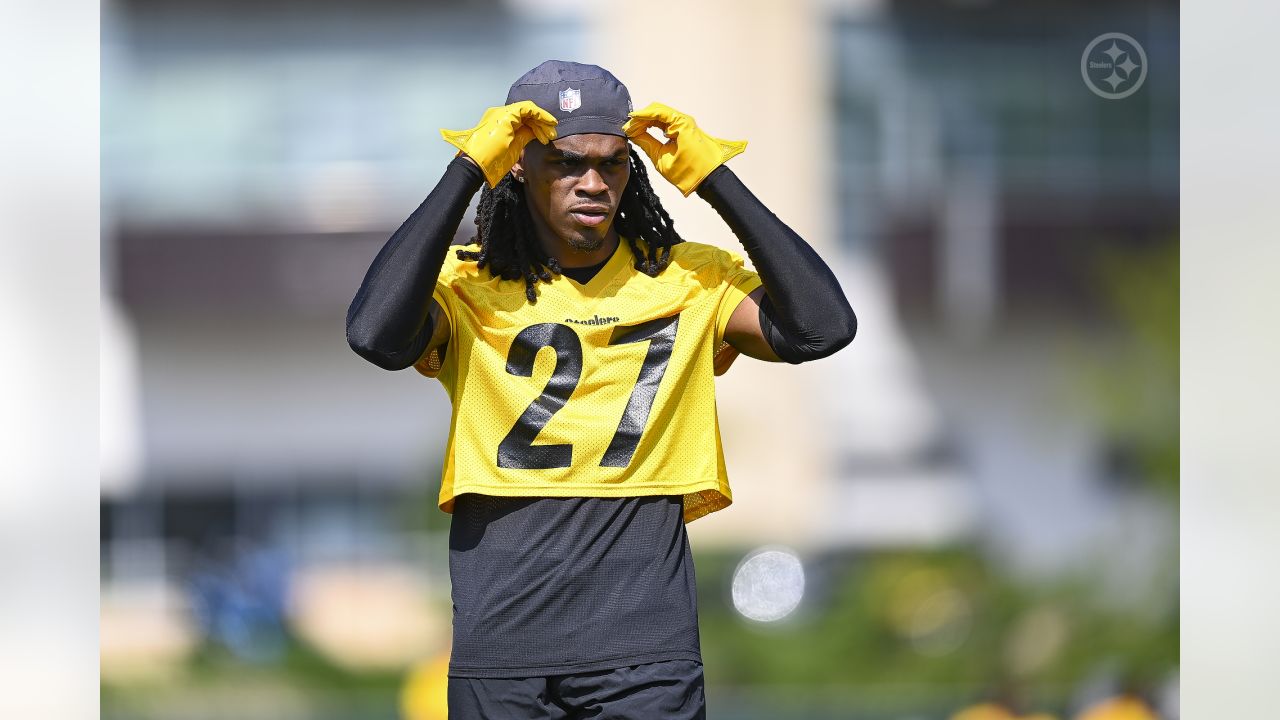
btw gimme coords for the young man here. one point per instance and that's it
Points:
(578, 337)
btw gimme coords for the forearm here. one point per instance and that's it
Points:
(388, 322)
(804, 315)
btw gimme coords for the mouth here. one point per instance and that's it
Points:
(590, 216)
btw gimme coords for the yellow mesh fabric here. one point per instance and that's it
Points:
(624, 344)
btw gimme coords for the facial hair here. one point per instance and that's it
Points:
(586, 243)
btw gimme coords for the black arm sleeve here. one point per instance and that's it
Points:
(389, 323)
(804, 315)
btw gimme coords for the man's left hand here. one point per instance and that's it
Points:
(689, 154)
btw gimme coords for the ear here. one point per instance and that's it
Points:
(517, 171)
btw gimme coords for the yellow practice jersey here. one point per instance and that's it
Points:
(603, 390)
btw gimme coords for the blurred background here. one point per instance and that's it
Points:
(981, 516)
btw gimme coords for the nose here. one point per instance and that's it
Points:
(592, 182)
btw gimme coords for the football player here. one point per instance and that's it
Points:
(578, 337)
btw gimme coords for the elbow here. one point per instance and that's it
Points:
(363, 344)
(839, 333)
(848, 328)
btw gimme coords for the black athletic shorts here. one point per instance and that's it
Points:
(671, 690)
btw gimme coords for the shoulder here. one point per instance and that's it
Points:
(456, 268)
(458, 271)
(692, 254)
(702, 260)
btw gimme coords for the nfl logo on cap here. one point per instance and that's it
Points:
(585, 99)
(570, 99)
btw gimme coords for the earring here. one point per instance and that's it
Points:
(519, 178)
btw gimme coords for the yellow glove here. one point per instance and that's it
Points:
(689, 155)
(496, 143)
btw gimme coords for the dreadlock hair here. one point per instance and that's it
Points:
(509, 245)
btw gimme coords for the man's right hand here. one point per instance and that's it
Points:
(496, 143)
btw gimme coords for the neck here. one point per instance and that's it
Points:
(572, 257)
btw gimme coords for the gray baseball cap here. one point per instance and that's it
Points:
(583, 98)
